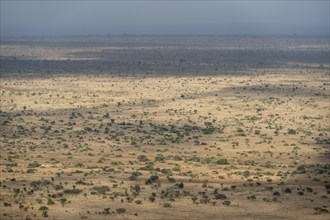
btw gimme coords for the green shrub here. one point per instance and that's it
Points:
(72, 191)
(35, 164)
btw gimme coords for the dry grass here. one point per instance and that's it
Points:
(165, 128)
(221, 147)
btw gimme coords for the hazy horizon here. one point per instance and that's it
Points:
(71, 18)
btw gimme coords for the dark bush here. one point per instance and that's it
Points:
(72, 191)
(287, 190)
(101, 189)
(222, 161)
(121, 210)
(220, 196)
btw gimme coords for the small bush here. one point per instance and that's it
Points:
(142, 158)
(151, 180)
(167, 205)
(220, 196)
(121, 210)
(50, 202)
(222, 162)
(106, 211)
(101, 189)
(34, 164)
(72, 191)
(292, 131)
(43, 208)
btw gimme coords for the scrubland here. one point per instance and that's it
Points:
(128, 129)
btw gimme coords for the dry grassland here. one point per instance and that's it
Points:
(165, 127)
(252, 146)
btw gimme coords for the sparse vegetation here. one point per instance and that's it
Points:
(166, 132)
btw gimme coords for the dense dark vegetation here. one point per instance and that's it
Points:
(165, 55)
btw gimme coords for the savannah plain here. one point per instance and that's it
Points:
(136, 127)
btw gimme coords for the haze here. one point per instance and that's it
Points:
(52, 18)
